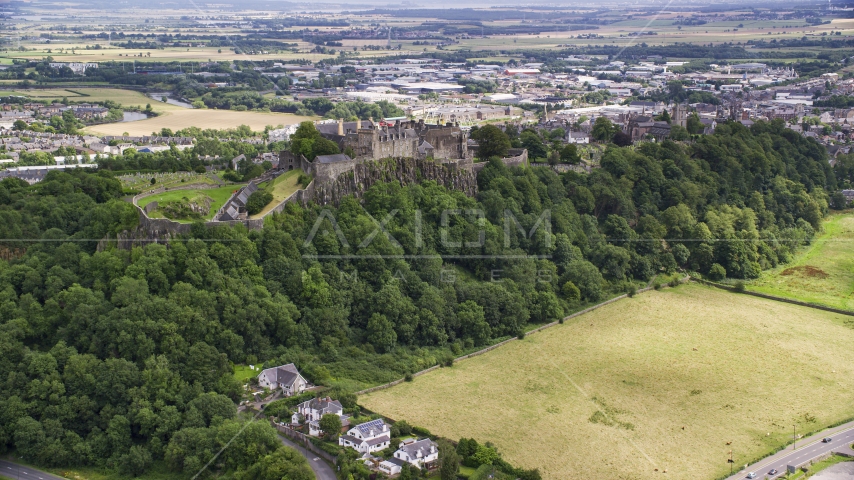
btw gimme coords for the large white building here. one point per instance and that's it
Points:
(77, 67)
(367, 437)
(418, 453)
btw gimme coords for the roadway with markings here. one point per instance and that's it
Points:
(807, 449)
(15, 471)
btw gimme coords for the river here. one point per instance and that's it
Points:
(133, 116)
(171, 101)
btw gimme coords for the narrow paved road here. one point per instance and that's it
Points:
(322, 470)
(15, 471)
(808, 448)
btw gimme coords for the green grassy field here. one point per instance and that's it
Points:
(243, 373)
(823, 273)
(218, 198)
(281, 187)
(668, 380)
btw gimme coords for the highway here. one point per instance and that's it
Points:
(15, 471)
(807, 448)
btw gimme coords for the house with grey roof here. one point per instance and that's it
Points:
(418, 453)
(286, 377)
(310, 412)
(367, 437)
(235, 207)
(391, 467)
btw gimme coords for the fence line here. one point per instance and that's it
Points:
(775, 298)
(493, 347)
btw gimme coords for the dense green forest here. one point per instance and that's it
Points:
(118, 357)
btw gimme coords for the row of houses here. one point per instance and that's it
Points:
(366, 438)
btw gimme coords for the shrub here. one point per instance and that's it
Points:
(739, 287)
(521, 336)
(571, 292)
(717, 272)
(674, 283)
(421, 431)
(402, 428)
(407, 377)
(631, 291)
(257, 201)
(656, 286)
(232, 176)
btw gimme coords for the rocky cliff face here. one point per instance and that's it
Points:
(456, 175)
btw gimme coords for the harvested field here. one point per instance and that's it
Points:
(177, 119)
(668, 380)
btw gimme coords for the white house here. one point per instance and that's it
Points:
(391, 467)
(418, 453)
(367, 437)
(577, 137)
(313, 410)
(286, 377)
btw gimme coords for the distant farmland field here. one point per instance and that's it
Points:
(172, 116)
(179, 118)
(660, 381)
(824, 273)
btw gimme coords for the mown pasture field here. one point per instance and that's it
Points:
(823, 273)
(670, 380)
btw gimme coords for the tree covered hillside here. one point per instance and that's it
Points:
(119, 357)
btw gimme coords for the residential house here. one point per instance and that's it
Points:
(391, 467)
(418, 453)
(313, 410)
(367, 437)
(577, 137)
(286, 377)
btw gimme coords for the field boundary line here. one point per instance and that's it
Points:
(499, 344)
(775, 298)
